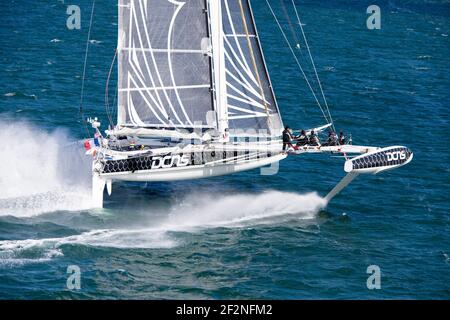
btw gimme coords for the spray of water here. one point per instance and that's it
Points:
(239, 210)
(41, 171)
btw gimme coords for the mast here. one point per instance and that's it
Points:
(219, 87)
(120, 39)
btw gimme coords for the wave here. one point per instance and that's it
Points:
(19, 94)
(19, 252)
(424, 57)
(421, 68)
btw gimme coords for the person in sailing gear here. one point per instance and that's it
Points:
(287, 138)
(132, 144)
(96, 139)
(341, 138)
(302, 139)
(332, 139)
(314, 139)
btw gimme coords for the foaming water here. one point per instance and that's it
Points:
(40, 171)
(243, 209)
(13, 252)
(212, 211)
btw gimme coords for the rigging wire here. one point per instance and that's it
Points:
(297, 61)
(313, 64)
(84, 70)
(116, 92)
(108, 110)
(291, 27)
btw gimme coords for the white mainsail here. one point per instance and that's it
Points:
(164, 73)
(193, 64)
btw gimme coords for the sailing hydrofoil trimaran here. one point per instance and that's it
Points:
(195, 100)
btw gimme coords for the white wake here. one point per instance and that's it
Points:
(229, 211)
(238, 210)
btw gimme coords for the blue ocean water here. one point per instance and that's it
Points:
(245, 235)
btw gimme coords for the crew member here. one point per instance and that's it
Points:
(132, 144)
(332, 139)
(314, 139)
(341, 138)
(302, 139)
(287, 138)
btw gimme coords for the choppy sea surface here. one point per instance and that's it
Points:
(245, 235)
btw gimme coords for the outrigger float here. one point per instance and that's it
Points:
(195, 100)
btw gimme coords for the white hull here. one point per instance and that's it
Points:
(191, 172)
(175, 174)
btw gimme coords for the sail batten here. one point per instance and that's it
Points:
(165, 88)
(165, 50)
